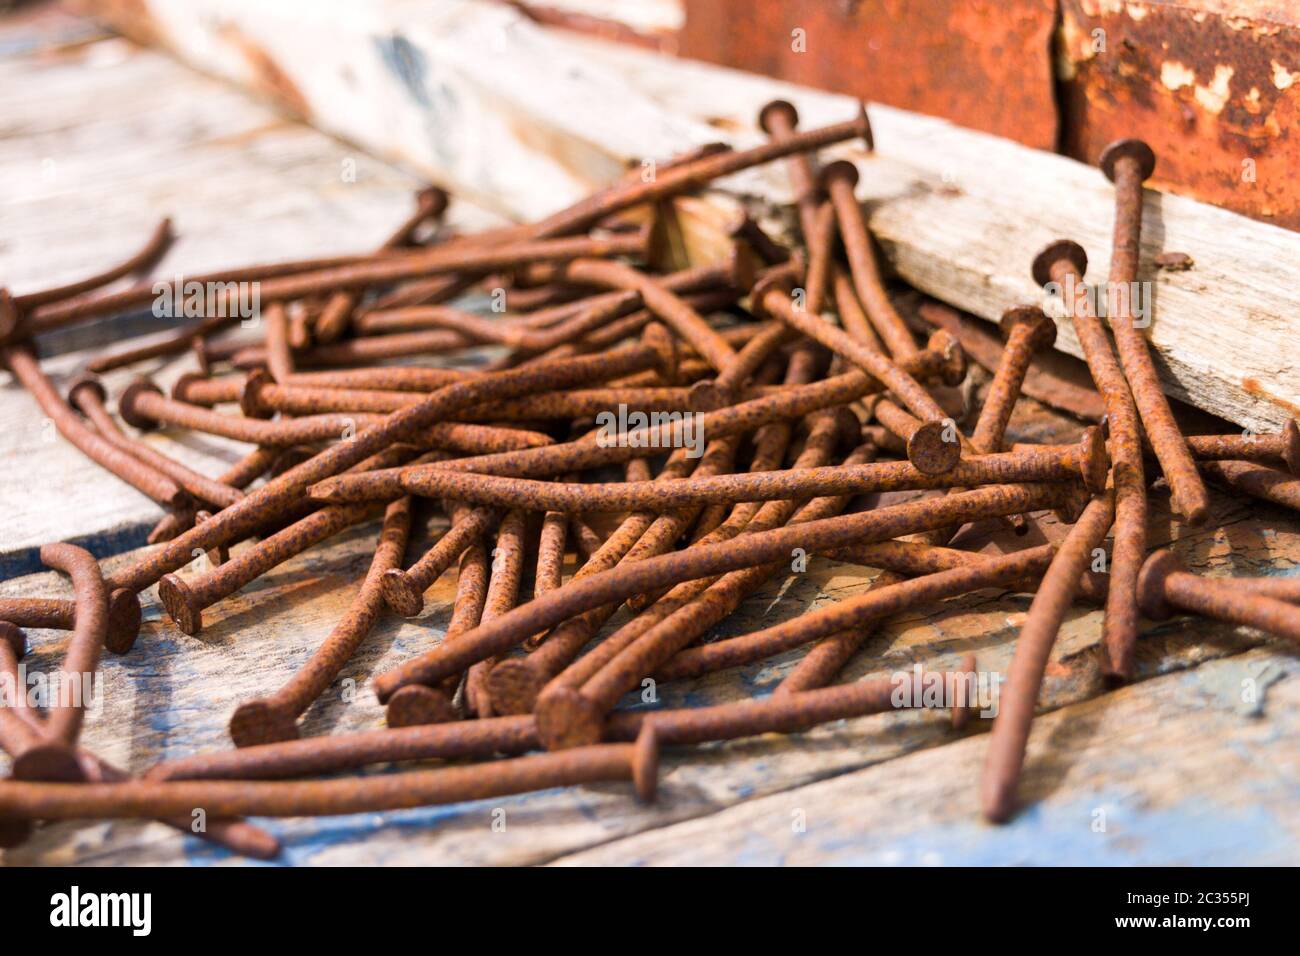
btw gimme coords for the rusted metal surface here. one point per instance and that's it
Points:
(1025, 676)
(760, 548)
(984, 65)
(1064, 262)
(1211, 86)
(981, 64)
(1166, 587)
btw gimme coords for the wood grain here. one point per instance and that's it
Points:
(101, 140)
(1099, 799)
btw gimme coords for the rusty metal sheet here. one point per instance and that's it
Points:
(1213, 86)
(985, 64)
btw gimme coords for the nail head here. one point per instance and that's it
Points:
(180, 604)
(1151, 584)
(1134, 149)
(772, 110)
(1066, 249)
(1042, 330)
(127, 400)
(416, 705)
(260, 722)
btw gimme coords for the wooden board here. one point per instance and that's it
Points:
(101, 140)
(526, 119)
(1172, 771)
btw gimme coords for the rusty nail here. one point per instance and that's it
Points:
(638, 762)
(416, 703)
(143, 405)
(1027, 331)
(1283, 446)
(275, 717)
(502, 595)
(186, 600)
(932, 447)
(1127, 163)
(404, 589)
(1006, 753)
(90, 626)
(779, 120)
(279, 357)
(838, 179)
(1165, 587)
(1064, 263)
(688, 176)
(88, 395)
(1086, 461)
(56, 315)
(785, 713)
(154, 248)
(1259, 481)
(124, 616)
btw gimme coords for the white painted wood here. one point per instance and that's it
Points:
(100, 142)
(480, 98)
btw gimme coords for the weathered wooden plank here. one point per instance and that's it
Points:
(1173, 771)
(51, 492)
(99, 142)
(508, 112)
(104, 140)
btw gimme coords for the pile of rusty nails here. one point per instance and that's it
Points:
(777, 357)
